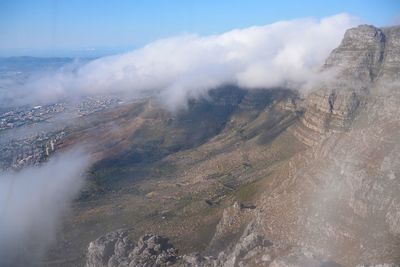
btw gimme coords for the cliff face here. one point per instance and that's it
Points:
(390, 69)
(361, 53)
(366, 62)
(368, 54)
(341, 196)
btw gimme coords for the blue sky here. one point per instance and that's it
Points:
(96, 27)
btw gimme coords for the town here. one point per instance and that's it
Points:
(19, 151)
(16, 117)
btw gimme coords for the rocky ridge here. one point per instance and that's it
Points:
(116, 249)
(366, 60)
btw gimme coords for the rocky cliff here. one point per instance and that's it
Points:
(366, 62)
(340, 199)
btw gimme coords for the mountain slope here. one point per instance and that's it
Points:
(252, 178)
(173, 173)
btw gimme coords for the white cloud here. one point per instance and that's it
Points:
(285, 53)
(32, 203)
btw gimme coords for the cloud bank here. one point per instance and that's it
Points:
(282, 54)
(32, 203)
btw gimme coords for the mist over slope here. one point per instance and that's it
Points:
(33, 203)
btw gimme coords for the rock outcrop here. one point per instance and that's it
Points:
(328, 110)
(360, 54)
(366, 61)
(116, 249)
(390, 68)
(231, 225)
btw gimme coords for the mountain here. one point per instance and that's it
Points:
(249, 177)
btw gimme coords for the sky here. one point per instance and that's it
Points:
(100, 27)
